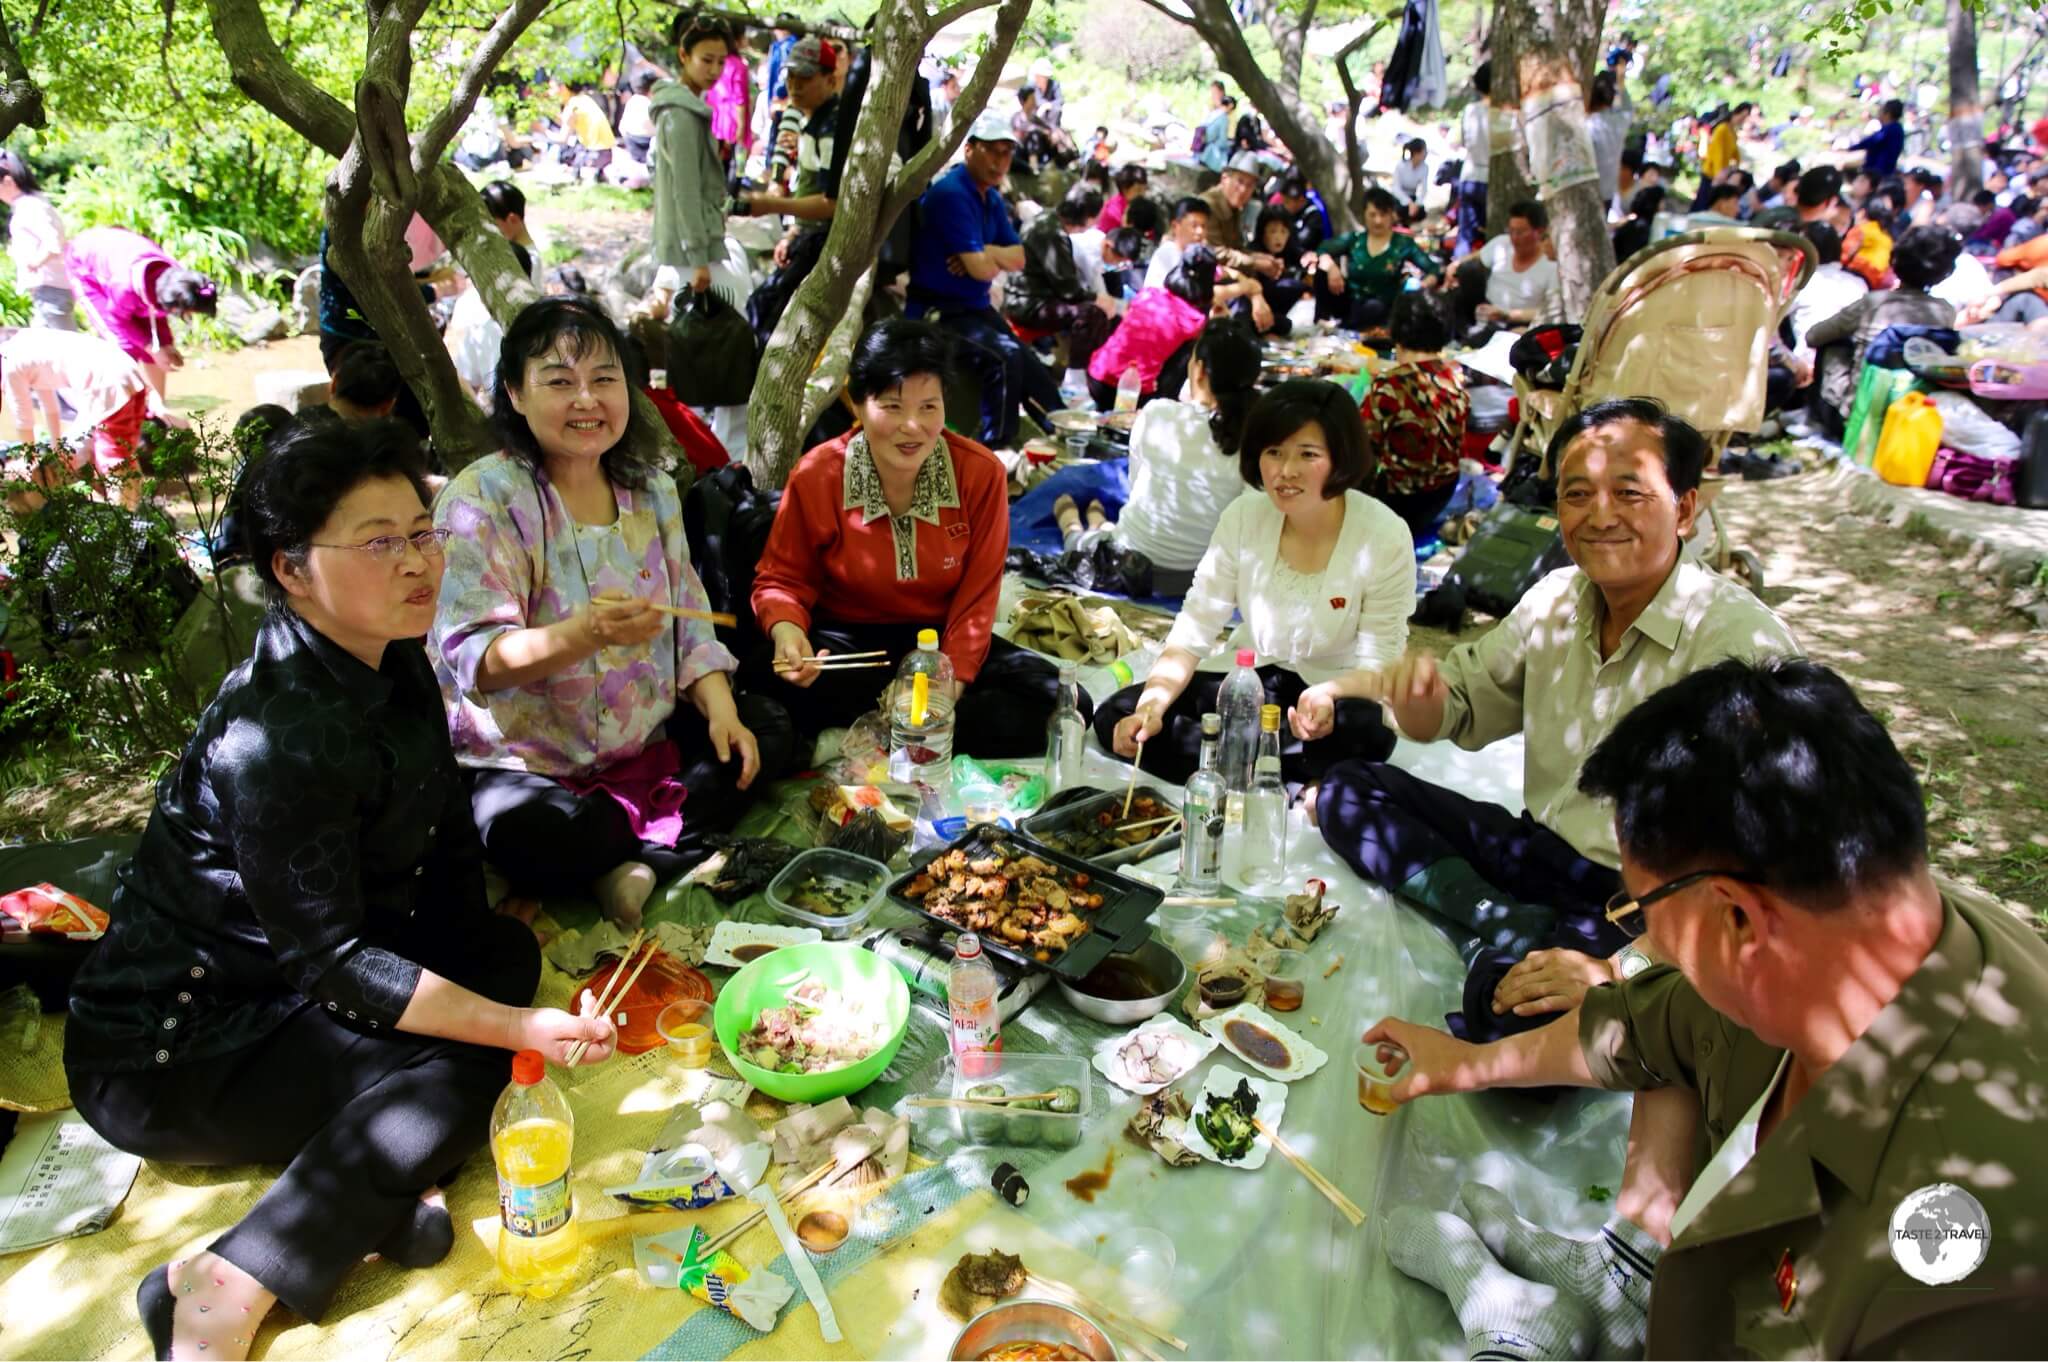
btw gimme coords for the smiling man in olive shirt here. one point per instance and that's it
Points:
(1862, 1055)
(1583, 648)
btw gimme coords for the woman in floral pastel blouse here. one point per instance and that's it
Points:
(900, 526)
(562, 672)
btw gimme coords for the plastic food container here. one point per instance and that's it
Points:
(1074, 826)
(863, 879)
(1012, 1127)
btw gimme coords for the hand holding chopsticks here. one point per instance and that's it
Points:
(834, 662)
(616, 989)
(1344, 1204)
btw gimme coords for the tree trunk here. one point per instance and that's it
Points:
(1965, 106)
(1289, 34)
(21, 99)
(1354, 99)
(1507, 179)
(1555, 44)
(777, 417)
(1292, 120)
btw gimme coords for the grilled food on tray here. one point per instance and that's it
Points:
(1021, 900)
(1107, 831)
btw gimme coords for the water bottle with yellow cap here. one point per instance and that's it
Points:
(921, 715)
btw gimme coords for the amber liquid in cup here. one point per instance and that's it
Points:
(1379, 1067)
(686, 1026)
(1283, 995)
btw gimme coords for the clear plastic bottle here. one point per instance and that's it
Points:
(1201, 816)
(532, 1135)
(921, 715)
(1265, 810)
(971, 987)
(1238, 704)
(1129, 389)
(1066, 735)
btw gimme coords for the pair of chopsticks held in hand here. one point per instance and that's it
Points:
(834, 662)
(681, 612)
(615, 990)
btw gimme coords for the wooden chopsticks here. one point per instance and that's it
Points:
(682, 612)
(1137, 759)
(614, 993)
(980, 1101)
(1344, 1204)
(1116, 1319)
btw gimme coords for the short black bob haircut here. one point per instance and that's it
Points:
(894, 351)
(1827, 242)
(1774, 768)
(1685, 449)
(1417, 324)
(306, 470)
(1295, 402)
(365, 375)
(1818, 187)
(575, 327)
(1130, 175)
(1925, 256)
(1382, 200)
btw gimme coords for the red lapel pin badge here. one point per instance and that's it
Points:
(1787, 1280)
(1336, 602)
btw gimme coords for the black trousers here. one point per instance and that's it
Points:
(1420, 509)
(547, 839)
(1083, 324)
(1391, 827)
(1013, 379)
(363, 1123)
(1002, 712)
(1173, 755)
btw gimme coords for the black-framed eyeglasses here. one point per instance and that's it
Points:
(390, 548)
(1625, 910)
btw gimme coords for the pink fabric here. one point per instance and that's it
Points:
(116, 271)
(115, 437)
(646, 788)
(1112, 216)
(728, 100)
(1157, 324)
(426, 248)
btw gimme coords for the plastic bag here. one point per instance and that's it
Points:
(1021, 790)
(1965, 427)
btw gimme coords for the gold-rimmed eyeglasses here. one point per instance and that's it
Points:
(1625, 910)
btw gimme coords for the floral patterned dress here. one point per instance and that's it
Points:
(519, 560)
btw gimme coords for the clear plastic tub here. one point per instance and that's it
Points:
(1021, 1128)
(861, 878)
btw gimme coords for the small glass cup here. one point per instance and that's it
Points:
(686, 1025)
(981, 804)
(1286, 981)
(1145, 1259)
(1379, 1064)
(1187, 929)
(1221, 992)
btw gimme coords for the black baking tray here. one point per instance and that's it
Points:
(1121, 924)
(1080, 805)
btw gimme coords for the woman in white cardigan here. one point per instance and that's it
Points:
(1322, 578)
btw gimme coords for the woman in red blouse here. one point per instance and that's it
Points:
(900, 525)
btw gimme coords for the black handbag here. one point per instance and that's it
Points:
(711, 355)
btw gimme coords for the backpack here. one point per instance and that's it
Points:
(726, 520)
(1515, 548)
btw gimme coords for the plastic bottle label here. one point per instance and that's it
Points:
(977, 1036)
(533, 1211)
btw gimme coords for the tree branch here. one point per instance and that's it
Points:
(263, 73)
(1354, 98)
(960, 9)
(1189, 20)
(443, 126)
(21, 100)
(918, 172)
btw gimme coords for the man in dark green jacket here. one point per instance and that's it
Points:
(1860, 1054)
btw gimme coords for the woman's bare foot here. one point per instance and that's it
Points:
(218, 1307)
(1098, 516)
(623, 891)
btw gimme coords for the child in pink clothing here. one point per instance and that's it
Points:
(105, 387)
(132, 289)
(1157, 324)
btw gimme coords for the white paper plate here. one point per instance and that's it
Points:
(730, 936)
(1223, 1080)
(1109, 1053)
(1305, 1058)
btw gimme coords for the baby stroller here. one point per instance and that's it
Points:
(1687, 320)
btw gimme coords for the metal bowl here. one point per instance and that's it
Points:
(1073, 421)
(1022, 1321)
(1158, 960)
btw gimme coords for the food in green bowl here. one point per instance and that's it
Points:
(831, 1015)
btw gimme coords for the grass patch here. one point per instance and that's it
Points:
(588, 198)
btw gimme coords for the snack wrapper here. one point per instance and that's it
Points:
(713, 1276)
(47, 909)
(680, 1172)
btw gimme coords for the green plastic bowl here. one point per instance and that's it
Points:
(841, 967)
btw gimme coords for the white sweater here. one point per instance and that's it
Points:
(1353, 615)
(1180, 485)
